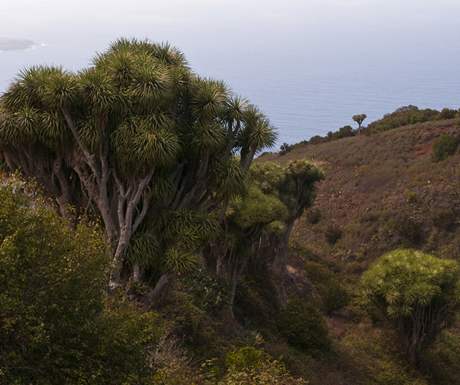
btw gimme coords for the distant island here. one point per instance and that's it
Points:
(10, 44)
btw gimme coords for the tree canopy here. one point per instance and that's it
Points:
(360, 118)
(416, 292)
(135, 135)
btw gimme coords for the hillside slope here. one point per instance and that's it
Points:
(381, 192)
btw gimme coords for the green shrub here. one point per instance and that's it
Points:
(332, 294)
(373, 360)
(55, 325)
(408, 228)
(252, 366)
(171, 364)
(442, 360)
(303, 327)
(414, 292)
(447, 113)
(267, 373)
(445, 219)
(245, 358)
(401, 117)
(208, 294)
(445, 146)
(333, 234)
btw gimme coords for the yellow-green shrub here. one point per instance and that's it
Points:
(414, 292)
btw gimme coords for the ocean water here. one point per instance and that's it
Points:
(308, 64)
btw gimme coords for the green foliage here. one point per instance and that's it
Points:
(259, 222)
(407, 228)
(269, 373)
(172, 366)
(445, 146)
(257, 208)
(55, 324)
(208, 293)
(444, 218)
(139, 138)
(292, 184)
(251, 366)
(401, 117)
(332, 294)
(447, 113)
(373, 360)
(442, 360)
(304, 327)
(417, 293)
(245, 358)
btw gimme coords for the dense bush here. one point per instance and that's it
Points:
(333, 295)
(251, 366)
(407, 228)
(304, 327)
(401, 117)
(245, 358)
(442, 360)
(55, 325)
(445, 219)
(172, 366)
(414, 292)
(445, 146)
(267, 373)
(447, 113)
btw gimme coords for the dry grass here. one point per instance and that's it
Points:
(375, 183)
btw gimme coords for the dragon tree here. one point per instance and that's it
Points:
(132, 139)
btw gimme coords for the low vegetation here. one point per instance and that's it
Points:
(444, 146)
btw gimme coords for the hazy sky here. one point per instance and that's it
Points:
(309, 63)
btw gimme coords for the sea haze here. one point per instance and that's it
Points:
(308, 64)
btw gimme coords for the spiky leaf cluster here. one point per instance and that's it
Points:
(137, 136)
(276, 195)
(403, 280)
(292, 184)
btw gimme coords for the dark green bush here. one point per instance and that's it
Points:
(401, 117)
(304, 327)
(445, 146)
(442, 360)
(445, 219)
(55, 325)
(447, 113)
(333, 295)
(407, 228)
